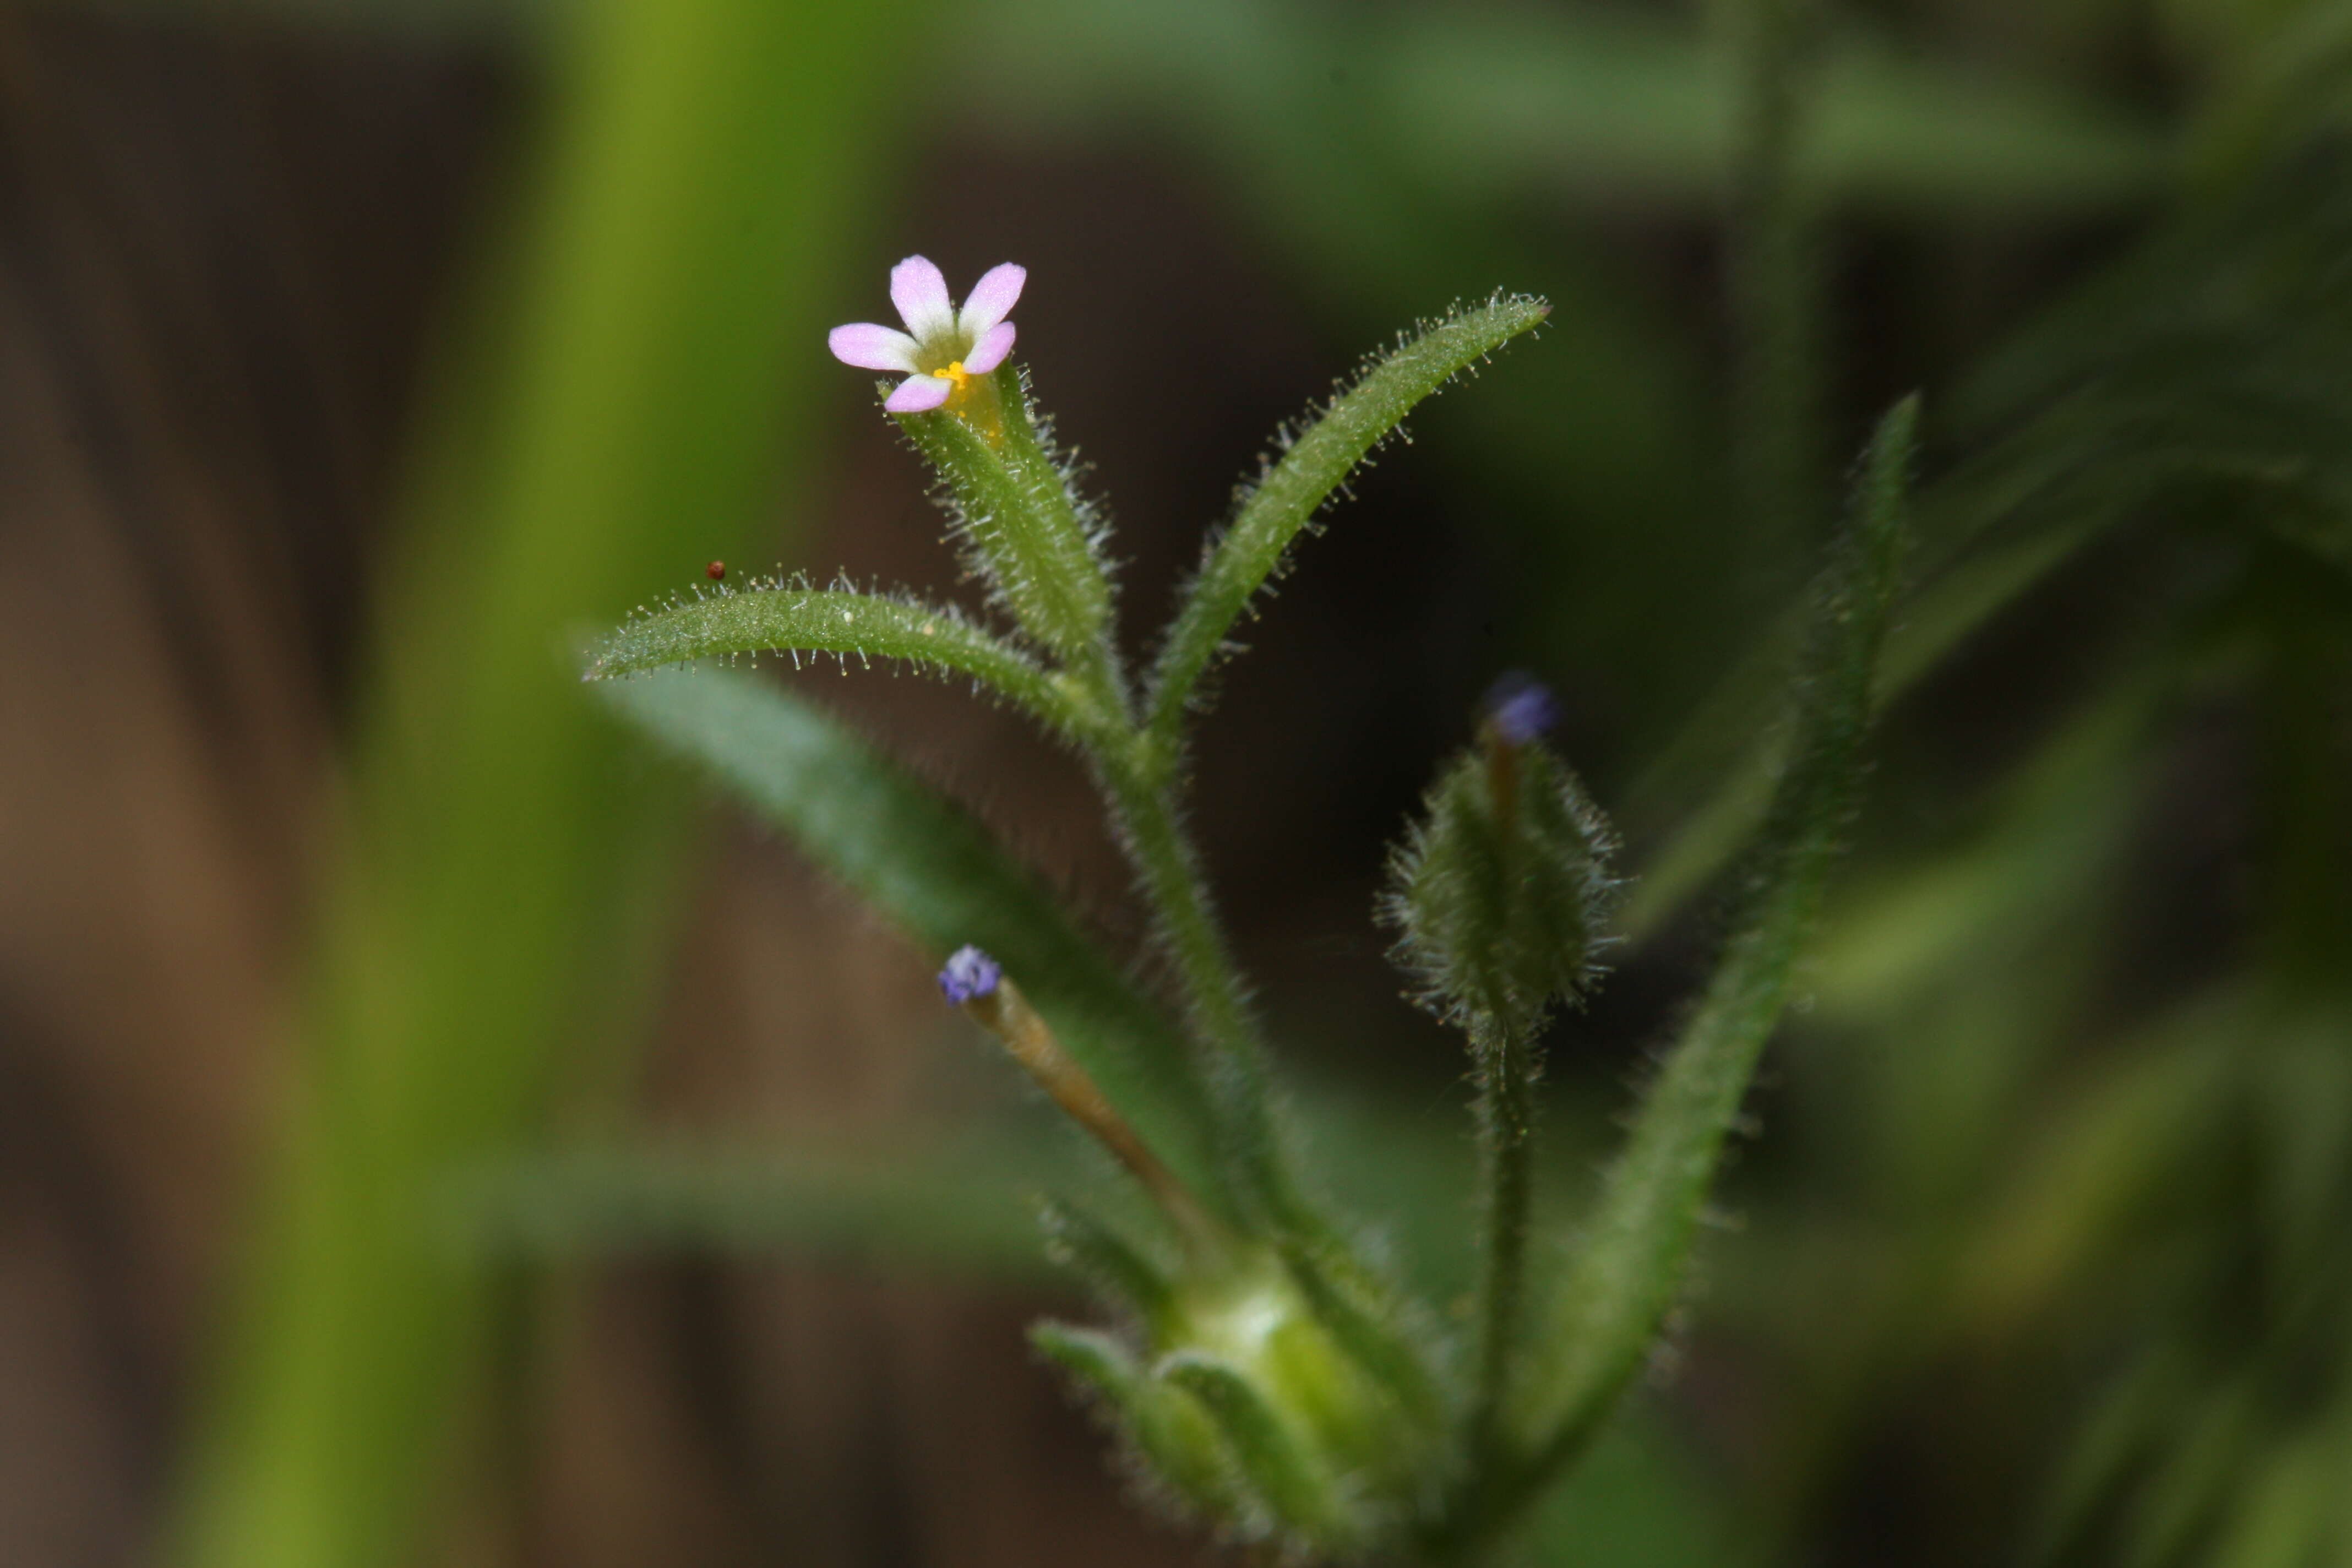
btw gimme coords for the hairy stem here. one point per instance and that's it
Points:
(1634, 1253)
(1037, 508)
(1506, 1136)
(1215, 998)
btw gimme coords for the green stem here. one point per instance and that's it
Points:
(1506, 1127)
(1216, 1004)
(1635, 1252)
(1021, 504)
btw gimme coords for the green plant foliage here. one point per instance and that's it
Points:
(1291, 1392)
(2102, 1168)
(936, 872)
(792, 617)
(2197, 383)
(2205, 1445)
(1029, 532)
(494, 916)
(1629, 1270)
(2186, 413)
(952, 1210)
(2193, 387)
(1112, 1265)
(1315, 460)
(1629, 103)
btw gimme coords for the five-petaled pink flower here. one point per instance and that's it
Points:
(942, 347)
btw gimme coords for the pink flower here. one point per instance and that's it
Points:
(942, 347)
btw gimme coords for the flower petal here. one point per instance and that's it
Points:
(989, 352)
(921, 295)
(869, 347)
(917, 393)
(992, 299)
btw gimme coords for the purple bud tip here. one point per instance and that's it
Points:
(1521, 708)
(970, 973)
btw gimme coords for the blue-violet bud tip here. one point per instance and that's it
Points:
(1521, 708)
(970, 973)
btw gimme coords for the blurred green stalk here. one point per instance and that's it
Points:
(498, 908)
(1773, 273)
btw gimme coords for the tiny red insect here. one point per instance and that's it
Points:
(716, 571)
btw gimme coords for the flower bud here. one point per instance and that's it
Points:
(1499, 891)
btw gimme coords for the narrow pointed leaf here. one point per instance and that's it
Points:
(2194, 382)
(782, 618)
(1105, 1259)
(928, 865)
(1630, 1267)
(1939, 618)
(1286, 496)
(1167, 1425)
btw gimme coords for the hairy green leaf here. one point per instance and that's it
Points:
(1108, 1261)
(1630, 1267)
(2196, 385)
(1315, 460)
(792, 618)
(928, 865)
(1168, 1426)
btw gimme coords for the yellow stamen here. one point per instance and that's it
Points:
(972, 399)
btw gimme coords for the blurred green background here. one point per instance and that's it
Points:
(431, 1131)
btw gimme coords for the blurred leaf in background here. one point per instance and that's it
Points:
(614, 420)
(1407, 156)
(2039, 1165)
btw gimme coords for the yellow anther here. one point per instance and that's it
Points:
(972, 399)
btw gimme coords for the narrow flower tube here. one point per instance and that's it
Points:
(976, 982)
